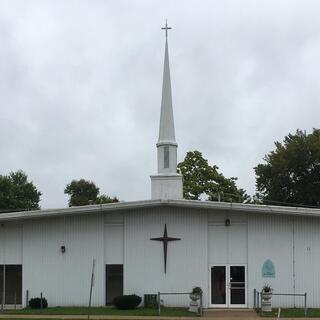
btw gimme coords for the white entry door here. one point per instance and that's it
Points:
(228, 287)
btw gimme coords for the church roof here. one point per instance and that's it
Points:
(188, 204)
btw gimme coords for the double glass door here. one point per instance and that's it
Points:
(228, 286)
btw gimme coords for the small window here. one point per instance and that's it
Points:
(166, 157)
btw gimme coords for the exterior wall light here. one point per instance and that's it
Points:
(227, 222)
(63, 249)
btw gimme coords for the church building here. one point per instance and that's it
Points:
(163, 244)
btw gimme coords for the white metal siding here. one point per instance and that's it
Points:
(217, 244)
(187, 258)
(11, 244)
(307, 259)
(227, 244)
(113, 243)
(64, 279)
(292, 243)
(270, 237)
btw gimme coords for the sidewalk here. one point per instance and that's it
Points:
(208, 315)
(94, 317)
(230, 314)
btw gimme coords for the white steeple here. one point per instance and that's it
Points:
(168, 183)
(166, 130)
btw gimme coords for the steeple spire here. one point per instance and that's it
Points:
(166, 130)
(168, 183)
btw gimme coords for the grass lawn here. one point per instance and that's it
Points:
(294, 313)
(169, 312)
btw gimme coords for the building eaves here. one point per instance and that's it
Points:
(125, 206)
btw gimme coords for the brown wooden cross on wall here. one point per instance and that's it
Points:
(165, 239)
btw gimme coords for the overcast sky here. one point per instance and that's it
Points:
(80, 87)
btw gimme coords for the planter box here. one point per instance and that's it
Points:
(266, 305)
(194, 306)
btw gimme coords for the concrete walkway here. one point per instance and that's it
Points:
(234, 314)
(93, 317)
(208, 315)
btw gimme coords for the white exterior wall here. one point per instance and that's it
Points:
(270, 237)
(113, 239)
(292, 243)
(64, 278)
(167, 186)
(187, 258)
(11, 244)
(307, 258)
(227, 244)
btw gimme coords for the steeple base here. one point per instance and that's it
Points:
(166, 186)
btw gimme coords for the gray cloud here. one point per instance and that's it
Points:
(80, 86)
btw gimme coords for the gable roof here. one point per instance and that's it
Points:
(123, 206)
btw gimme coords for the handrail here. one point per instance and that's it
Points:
(258, 298)
(178, 293)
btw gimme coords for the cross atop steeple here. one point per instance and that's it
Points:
(166, 28)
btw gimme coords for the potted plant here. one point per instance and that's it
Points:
(266, 295)
(195, 293)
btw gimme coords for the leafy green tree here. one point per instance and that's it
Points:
(291, 173)
(17, 193)
(200, 180)
(106, 199)
(83, 192)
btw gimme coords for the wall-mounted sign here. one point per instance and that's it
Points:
(268, 269)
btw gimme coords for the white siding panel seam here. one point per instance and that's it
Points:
(293, 257)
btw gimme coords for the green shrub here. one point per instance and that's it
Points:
(35, 303)
(127, 302)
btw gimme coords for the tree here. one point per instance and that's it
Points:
(17, 193)
(202, 180)
(83, 192)
(291, 173)
(106, 199)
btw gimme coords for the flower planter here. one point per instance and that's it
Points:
(194, 303)
(266, 304)
(194, 296)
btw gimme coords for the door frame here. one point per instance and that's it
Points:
(210, 284)
(227, 282)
